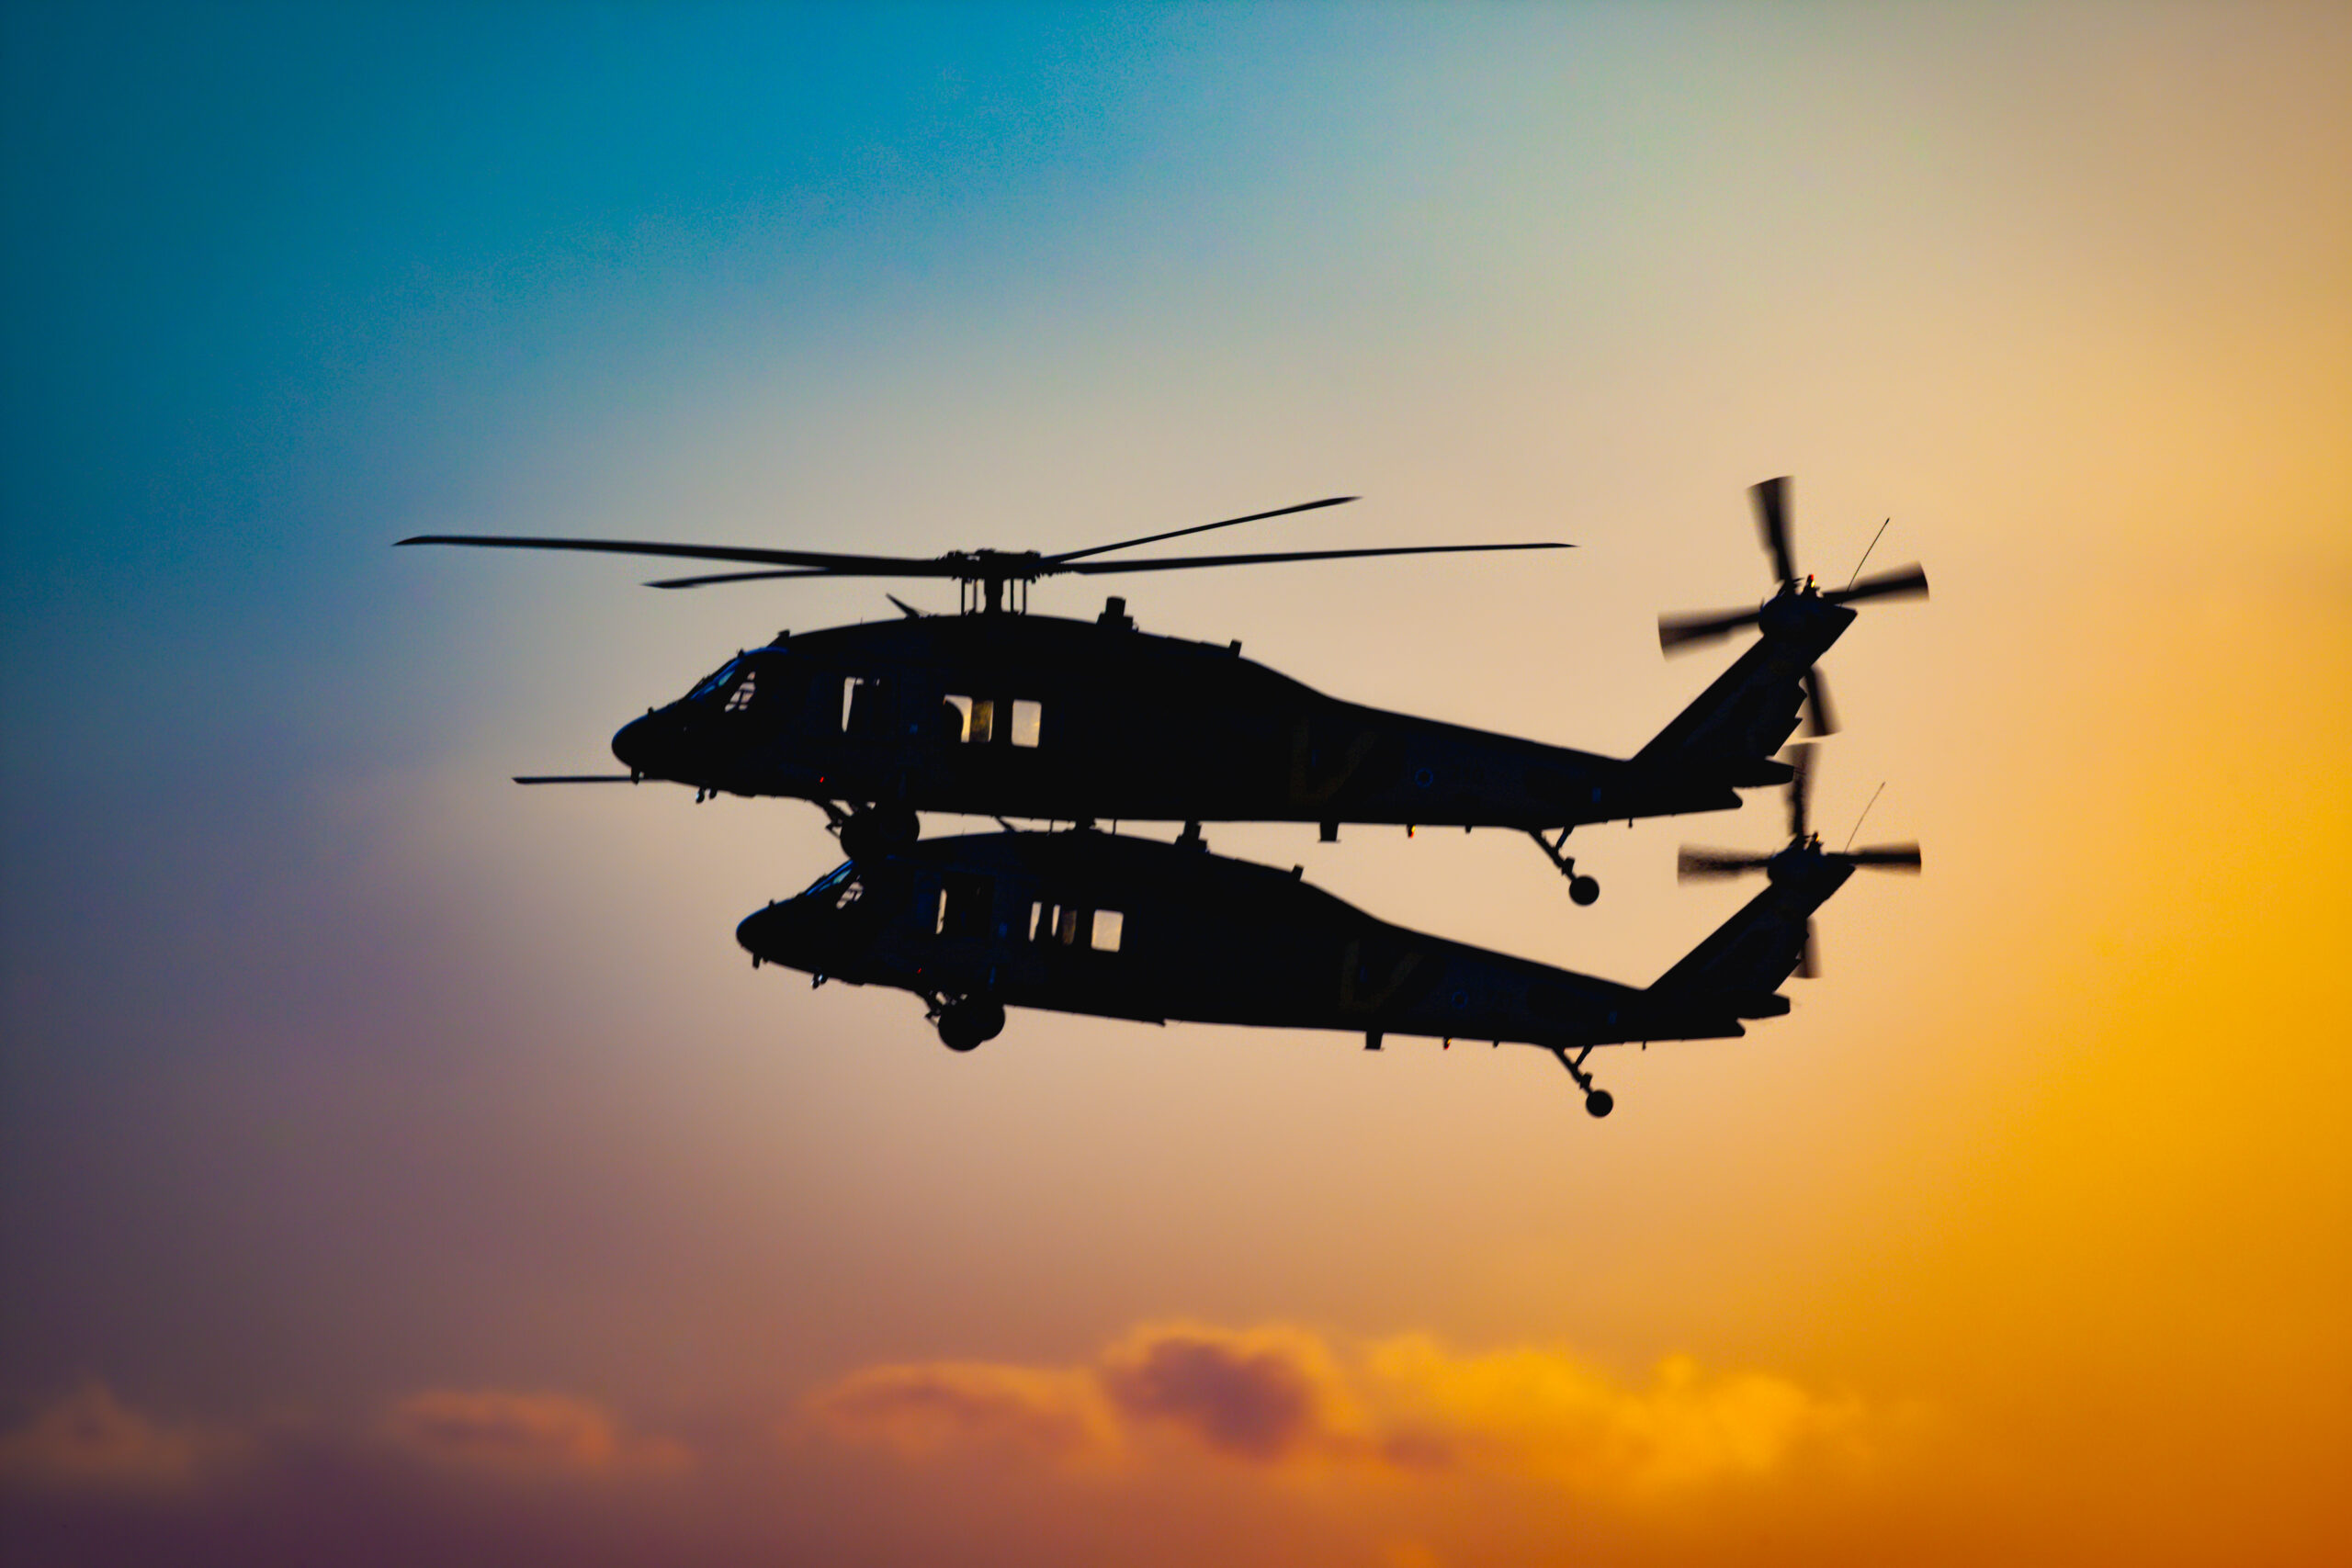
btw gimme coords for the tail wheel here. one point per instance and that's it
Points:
(1599, 1103)
(1583, 890)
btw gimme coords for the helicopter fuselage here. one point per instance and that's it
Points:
(1052, 720)
(1125, 927)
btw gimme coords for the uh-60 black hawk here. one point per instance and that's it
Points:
(1135, 928)
(997, 712)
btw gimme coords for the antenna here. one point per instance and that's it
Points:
(1866, 553)
(1866, 811)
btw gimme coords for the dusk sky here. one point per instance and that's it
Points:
(400, 1165)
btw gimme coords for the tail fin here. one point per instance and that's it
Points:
(1731, 732)
(1737, 971)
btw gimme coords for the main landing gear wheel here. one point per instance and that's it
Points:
(966, 1024)
(879, 830)
(1599, 1103)
(1583, 890)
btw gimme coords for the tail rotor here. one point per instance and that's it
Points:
(1771, 500)
(1803, 849)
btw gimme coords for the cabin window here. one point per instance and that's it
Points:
(1071, 925)
(1055, 923)
(863, 699)
(741, 698)
(964, 904)
(975, 719)
(983, 721)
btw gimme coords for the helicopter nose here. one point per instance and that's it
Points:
(638, 745)
(770, 934)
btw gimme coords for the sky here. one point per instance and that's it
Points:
(395, 1163)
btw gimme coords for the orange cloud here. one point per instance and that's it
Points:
(522, 1434)
(91, 1440)
(1282, 1398)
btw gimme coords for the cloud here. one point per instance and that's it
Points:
(1543, 1413)
(515, 1433)
(1260, 1395)
(91, 1442)
(1286, 1398)
(956, 1404)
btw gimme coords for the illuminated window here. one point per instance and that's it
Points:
(1028, 718)
(976, 719)
(1072, 925)
(742, 694)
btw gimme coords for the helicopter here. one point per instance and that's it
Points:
(1126, 927)
(995, 712)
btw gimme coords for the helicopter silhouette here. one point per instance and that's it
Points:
(1113, 926)
(993, 711)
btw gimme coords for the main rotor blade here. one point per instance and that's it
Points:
(1903, 582)
(1889, 857)
(1694, 865)
(574, 778)
(1680, 631)
(1799, 790)
(817, 561)
(758, 576)
(1180, 563)
(1200, 528)
(1820, 718)
(1772, 520)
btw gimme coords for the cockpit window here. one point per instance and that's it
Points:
(741, 697)
(832, 880)
(718, 680)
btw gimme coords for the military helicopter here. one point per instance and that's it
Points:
(995, 712)
(1087, 922)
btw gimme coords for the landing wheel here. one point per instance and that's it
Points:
(1584, 890)
(1599, 1103)
(967, 1024)
(879, 830)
